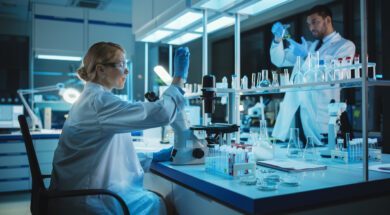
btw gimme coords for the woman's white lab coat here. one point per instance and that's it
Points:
(95, 151)
(313, 104)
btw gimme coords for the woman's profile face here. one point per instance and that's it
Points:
(116, 71)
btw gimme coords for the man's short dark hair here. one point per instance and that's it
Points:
(321, 10)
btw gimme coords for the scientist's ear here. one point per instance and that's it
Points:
(100, 70)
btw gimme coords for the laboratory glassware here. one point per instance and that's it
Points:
(224, 82)
(234, 81)
(263, 150)
(264, 76)
(348, 64)
(253, 85)
(258, 80)
(356, 62)
(294, 147)
(297, 78)
(244, 83)
(310, 152)
(275, 79)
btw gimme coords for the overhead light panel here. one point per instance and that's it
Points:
(217, 4)
(59, 57)
(219, 23)
(157, 36)
(261, 6)
(184, 20)
(185, 38)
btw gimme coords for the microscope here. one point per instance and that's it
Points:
(215, 133)
(187, 148)
(338, 126)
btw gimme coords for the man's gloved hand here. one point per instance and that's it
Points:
(181, 62)
(162, 155)
(278, 30)
(297, 48)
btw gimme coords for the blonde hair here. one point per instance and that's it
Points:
(101, 52)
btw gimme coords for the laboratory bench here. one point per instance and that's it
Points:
(319, 190)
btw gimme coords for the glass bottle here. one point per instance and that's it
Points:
(244, 83)
(263, 150)
(294, 147)
(264, 76)
(224, 82)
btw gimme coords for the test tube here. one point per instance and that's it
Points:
(253, 81)
(258, 80)
(275, 79)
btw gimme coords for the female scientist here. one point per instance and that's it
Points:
(95, 150)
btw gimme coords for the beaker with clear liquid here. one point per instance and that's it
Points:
(294, 147)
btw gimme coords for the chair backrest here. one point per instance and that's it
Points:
(38, 189)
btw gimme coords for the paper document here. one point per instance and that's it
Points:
(380, 167)
(290, 165)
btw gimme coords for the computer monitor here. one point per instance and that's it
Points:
(9, 115)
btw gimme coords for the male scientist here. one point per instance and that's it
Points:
(310, 108)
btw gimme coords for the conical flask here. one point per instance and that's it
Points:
(294, 147)
(310, 152)
(263, 150)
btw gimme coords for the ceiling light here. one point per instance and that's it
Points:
(157, 36)
(184, 20)
(261, 6)
(217, 4)
(185, 38)
(219, 23)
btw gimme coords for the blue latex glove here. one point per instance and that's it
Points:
(162, 155)
(181, 62)
(297, 48)
(278, 30)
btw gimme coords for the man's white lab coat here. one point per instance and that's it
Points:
(313, 104)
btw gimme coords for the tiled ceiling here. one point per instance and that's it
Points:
(19, 9)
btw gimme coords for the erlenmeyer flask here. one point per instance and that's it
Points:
(310, 152)
(264, 76)
(294, 147)
(264, 149)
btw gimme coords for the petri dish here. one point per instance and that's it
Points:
(290, 181)
(249, 180)
(267, 186)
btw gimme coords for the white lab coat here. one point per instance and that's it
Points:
(95, 151)
(313, 104)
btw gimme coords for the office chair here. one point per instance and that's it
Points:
(39, 194)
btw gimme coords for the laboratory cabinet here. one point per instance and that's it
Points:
(14, 167)
(71, 31)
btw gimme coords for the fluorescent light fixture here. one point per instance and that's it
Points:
(217, 4)
(185, 38)
(184, 20)
(157, 36)
(261, 6)
(163, 74)
(219, 23)
(58, 57)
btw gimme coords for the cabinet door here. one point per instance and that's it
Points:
(58, 30)
(110, 27)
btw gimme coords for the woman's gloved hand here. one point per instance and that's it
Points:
(181, 62)
(278, 30)
(297, 48)
(163, 155)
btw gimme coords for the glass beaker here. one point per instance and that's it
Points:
(275, 79)
(294, 147)
(310, 152)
